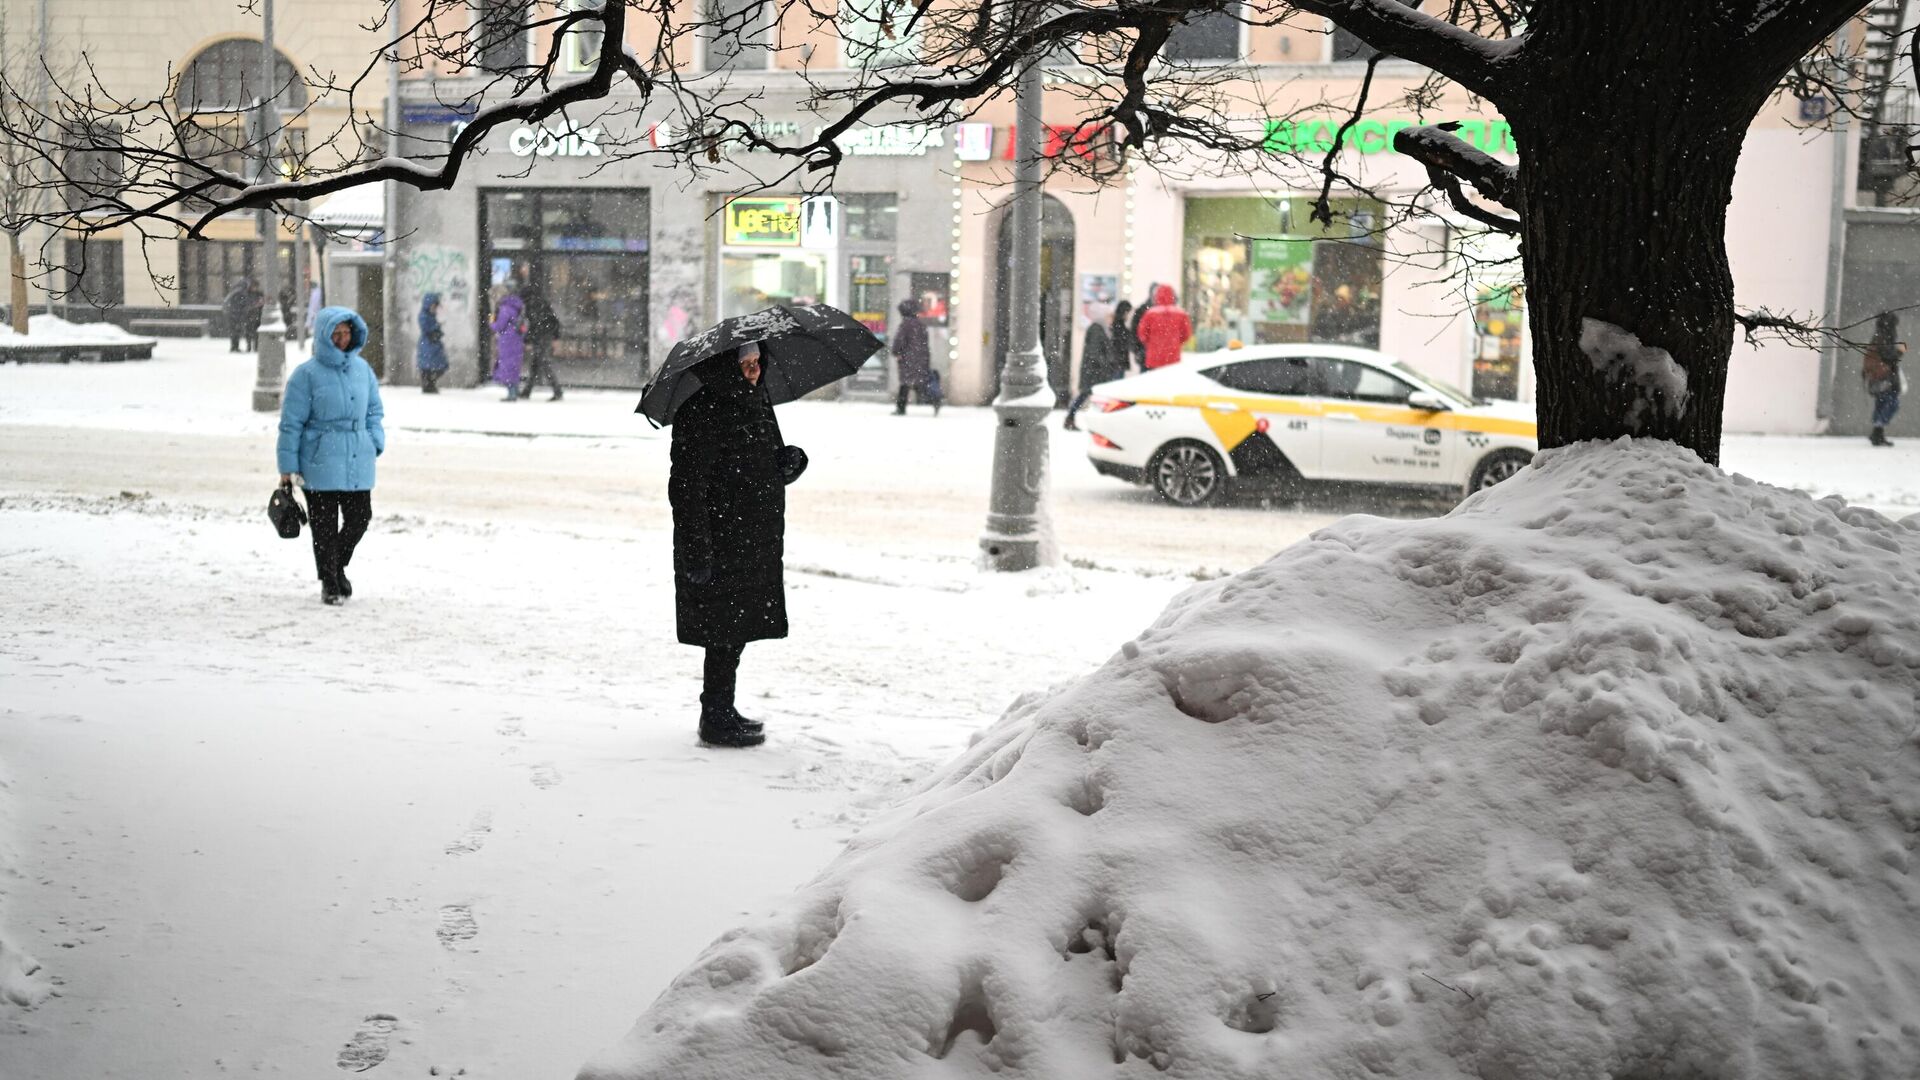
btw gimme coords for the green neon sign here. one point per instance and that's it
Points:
(1376, 136)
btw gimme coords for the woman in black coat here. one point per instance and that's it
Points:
(913, 359)
(729, 519)
(1103, 355)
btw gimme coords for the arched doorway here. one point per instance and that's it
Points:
(1056, 295)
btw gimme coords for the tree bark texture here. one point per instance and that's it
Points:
(1627, 158)
(17, 268)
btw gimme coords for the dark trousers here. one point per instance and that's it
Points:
(234, 334)
(540, 366)
(1079, 402)
(722, 670)
(338, 519)
(429, 382)
(927, 390)
(1885, 405)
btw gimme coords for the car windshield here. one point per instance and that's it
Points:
(1445, 389)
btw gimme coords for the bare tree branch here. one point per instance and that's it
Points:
(1477, 63)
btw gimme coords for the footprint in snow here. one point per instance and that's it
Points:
(545, 775)
(512, 727)
(368, 1047)
(456, 925)
(475, 836)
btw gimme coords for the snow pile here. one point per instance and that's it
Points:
(1611, 772)
(1619, 355)
(54, 330)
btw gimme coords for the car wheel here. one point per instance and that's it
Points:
(1497, 466)
(1187, 474)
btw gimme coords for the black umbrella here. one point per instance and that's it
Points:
(802, 348)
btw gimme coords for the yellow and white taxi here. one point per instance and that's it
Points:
(1280, 415)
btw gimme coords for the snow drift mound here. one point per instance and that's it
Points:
(1612, 772)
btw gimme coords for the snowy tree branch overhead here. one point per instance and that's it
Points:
(1467, 58)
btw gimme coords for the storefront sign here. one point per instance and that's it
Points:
(765, 222)
(1084, 141)
(891, 140)
(1376, 136)
(973, 142)
(551, 142)
(436, 113)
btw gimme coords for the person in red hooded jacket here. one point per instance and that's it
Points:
(1164, 328)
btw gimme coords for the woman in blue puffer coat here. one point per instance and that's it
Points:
(330, 432)
(431, 354)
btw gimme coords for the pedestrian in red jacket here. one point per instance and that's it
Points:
(1164, 328)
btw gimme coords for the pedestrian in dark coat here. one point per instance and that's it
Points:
(1134, 344)
(234, 307)
(256, 306)
(1103, 356)
(430, 356)
(543, 329)
(913, 360)
(729, 522)
(1880, 370)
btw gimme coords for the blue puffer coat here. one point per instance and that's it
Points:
(330, 428)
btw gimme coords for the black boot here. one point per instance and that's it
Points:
(345, 586)
(330, 594)
(1879, 436)
(720, 723)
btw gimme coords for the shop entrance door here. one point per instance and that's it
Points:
(1056, 296)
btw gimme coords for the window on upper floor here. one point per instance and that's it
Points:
(873, 34)
(736, 35)
(581, 49)
(1348, 46)
(498, 38)
(1214, 36)
(225, 77)
(94, 168)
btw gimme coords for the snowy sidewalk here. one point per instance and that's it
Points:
(471, 800)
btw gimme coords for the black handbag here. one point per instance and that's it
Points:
(792, 461)
(285, 512)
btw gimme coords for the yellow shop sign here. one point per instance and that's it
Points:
(767, 222)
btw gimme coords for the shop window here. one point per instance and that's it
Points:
(1214, 36)
(96, 273)
(1362, 382)
(225, 77)
(872, 218)
(873, 34)
(1499, 337)
(1263, 272)
(751, 280)
(581, 50)
(1348, 46)
(736, 35)
(498, 37)
(1291, 376)
(511, 224)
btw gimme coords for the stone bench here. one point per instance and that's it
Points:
(169, 327)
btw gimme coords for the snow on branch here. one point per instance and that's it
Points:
(1449, 159)
(1475, 62)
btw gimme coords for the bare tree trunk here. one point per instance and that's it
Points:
(1624, 184)
(17, 263)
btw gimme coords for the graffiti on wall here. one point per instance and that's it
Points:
(437, 269)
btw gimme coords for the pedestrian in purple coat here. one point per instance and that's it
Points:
(509, 343)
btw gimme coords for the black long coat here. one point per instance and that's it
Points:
(911, 352)
(729, 512)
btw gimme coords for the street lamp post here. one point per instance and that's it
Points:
(271, 345)
(1017, 535)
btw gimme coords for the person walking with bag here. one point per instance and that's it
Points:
(728, 492)
(1880, 370)
(913, 360)
(430, 356)
(509, 341)
(330, 434)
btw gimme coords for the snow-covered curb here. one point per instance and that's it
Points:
(1612, 771)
